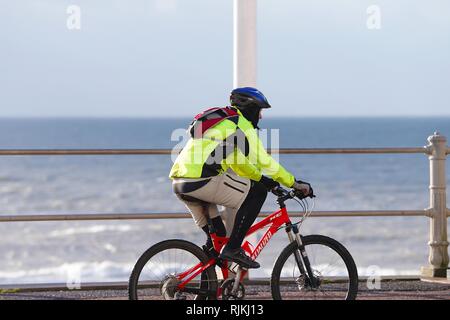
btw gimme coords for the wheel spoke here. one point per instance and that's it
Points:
(329, 268)
(161, 263)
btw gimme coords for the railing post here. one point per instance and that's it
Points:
(438, 257)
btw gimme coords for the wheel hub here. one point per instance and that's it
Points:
(304, 283)
(169, 288)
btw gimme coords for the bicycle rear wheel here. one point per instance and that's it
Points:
(332, 265)
(155, 274)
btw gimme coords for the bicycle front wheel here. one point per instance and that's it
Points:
(334, 272)
(157, 272)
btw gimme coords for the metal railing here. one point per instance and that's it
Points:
(181, 215)
(109, 152)
(436, 150)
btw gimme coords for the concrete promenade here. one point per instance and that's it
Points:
(389, 289)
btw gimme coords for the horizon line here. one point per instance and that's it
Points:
(184, 117)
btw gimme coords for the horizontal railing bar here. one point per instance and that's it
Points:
(67, 152)
(151, 216)
(348, 150)
(76, 152)
(37, 287)
(367, 213)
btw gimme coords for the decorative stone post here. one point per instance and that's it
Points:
(438, 257)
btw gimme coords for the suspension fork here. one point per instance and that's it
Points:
(300, 255)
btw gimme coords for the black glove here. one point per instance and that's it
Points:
(269, 183)
(304, 188)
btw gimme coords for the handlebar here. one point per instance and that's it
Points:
(284, 194)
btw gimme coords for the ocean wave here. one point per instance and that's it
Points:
(4, 179)
(70, 273)
(89, 230)
(14, 188)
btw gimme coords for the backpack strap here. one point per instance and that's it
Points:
(209, 118)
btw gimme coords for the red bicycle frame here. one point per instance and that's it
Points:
(275, 220)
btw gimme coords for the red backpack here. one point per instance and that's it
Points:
(208, 118)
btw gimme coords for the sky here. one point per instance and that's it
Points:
(165, 58)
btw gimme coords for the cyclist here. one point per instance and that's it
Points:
(223, 164)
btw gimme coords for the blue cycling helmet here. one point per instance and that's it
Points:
(248, 97)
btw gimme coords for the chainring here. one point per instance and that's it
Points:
(227, 290)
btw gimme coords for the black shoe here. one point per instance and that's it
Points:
(238, 256)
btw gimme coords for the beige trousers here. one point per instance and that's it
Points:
(227, 190)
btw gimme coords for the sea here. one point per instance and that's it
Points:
(92, 251)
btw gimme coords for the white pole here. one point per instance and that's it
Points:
(244, 43)
(438, 257)
(244, 57)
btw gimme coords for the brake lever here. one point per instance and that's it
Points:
(279, 191)
(301, 196)
(312, 195)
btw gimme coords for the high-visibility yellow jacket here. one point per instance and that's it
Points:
(232, 143)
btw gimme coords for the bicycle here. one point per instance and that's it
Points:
(179, 270)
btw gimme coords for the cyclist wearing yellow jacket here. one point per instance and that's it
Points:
(225, 163)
